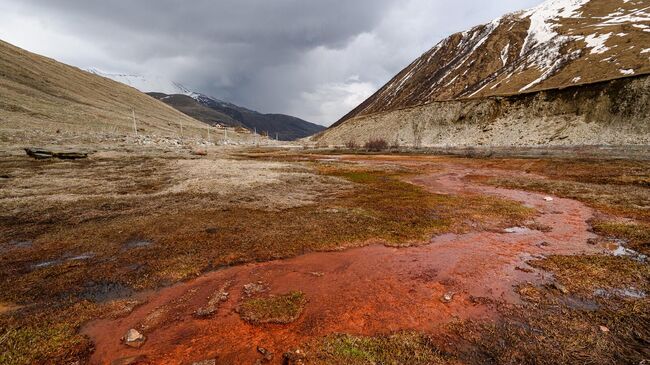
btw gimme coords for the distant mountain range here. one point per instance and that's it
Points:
(213, 111)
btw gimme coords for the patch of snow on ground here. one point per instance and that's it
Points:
(627, 72)
(647, 50)
(597, 43)
(576, 79)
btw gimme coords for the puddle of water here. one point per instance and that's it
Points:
(623, 293)
(517, 230)
(580, 304)
(16, 245)
(136, 243)
(83, 256)
(65, 258)
(105, 291)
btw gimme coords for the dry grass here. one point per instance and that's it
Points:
(280, 309)
(556, 328)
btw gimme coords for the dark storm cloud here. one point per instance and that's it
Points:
(313, 59)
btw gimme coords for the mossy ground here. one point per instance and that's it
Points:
(279, 309)
(399, 348)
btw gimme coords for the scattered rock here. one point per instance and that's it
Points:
(133, 338)
(213, 304)
(251, 289)
(317, 274)
(131, 360)
(543, 244)
(293, 357)
(200, 152)
(211, 230)
(268, 355)
(560, 287)
(548, 199)
(447, 297)
(603, 329)
(523, 269)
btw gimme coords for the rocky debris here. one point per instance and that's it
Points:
(548, 198)
(317, 274)
(214, 301)
(268, 355)
(199, 152)
(560, 287)
(603, 329)
(251, 289)
(296, 357)
(523, 269)
(130, 360)
(543, 244)
(206, 362)
(133, 338)
(42, 153)
(447, 297)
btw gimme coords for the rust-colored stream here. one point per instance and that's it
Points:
(369, 290)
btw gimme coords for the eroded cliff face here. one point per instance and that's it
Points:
(556, 44)
(615, 112)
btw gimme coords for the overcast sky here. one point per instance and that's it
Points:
(315, 59)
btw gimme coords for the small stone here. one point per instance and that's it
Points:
(560, 287)
(133, 338)
(317, 274)
(604, 329)
(268, 355)
(447, 297)
(200, 152)
(548, 199)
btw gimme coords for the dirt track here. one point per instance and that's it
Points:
(368, 290)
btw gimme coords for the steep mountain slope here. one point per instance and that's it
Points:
(40, 95)
(285, 127)
(557, 44)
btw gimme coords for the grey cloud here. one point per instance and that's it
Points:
(313, 59)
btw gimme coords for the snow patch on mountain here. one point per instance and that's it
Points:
(144, 83)
(597, 43)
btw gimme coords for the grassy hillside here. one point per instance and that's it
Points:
(39, 94)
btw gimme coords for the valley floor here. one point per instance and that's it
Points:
(250, 256)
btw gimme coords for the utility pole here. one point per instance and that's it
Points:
(181, 123)
(208, 133)
(135, 127)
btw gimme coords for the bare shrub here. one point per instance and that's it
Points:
(351, 145)
(377, 144)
